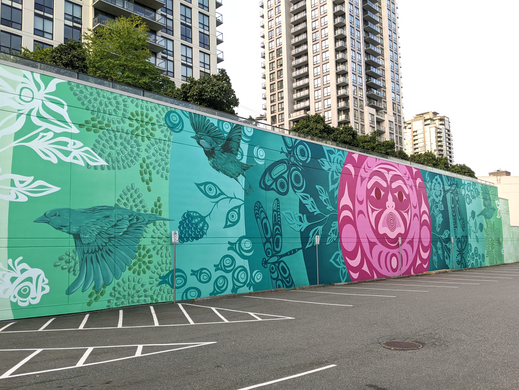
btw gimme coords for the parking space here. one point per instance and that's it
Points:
(279, 339)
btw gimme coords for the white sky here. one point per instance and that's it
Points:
(456, 59)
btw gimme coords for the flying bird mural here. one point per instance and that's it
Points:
(106, 240)
(221, 151)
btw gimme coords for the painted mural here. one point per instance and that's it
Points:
(93, 182)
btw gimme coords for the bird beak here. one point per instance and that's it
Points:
(42, 219)
(194, 137)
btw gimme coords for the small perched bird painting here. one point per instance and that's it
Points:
(221, 151)
(106, 240)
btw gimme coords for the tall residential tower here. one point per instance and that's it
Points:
(429, 132)
(337, 58)
(182, 34)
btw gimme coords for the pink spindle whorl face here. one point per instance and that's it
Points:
(379, 203)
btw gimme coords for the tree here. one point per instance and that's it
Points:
(118, 52)
(71, 55)
(345, 135)
(462, 169)
(213, 91)
(314, 126)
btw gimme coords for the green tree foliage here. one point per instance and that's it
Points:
(314, 126)
(462, 169)
(430, 159)
(214, 91)
(118, 52)
(71, 55)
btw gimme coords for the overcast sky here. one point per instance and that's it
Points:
(457, 59)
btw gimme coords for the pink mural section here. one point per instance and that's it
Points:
(384, 219)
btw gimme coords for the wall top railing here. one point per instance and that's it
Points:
(10, 59)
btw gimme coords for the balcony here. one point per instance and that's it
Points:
(219, 37)
(264, 107)
(372, 28)
(371, 17)
(301, 94)
(340, 33)
(372, 82)
(300, 72)
(301, 83)
(219, 19)
(262, 44)
(381, 130)
(262, 14)
(124, 8)
(343, 118)
(372, 60)
(298, 7)
(341, 69)
(297, 114)
(300, 50)
(261, 3)
(263, 64)
(373, 93)
(341, 57)
(300, 61)
(372, 71)
(263, 54)
(370, 6)
(219, 56)
(263, 85)
(298, 27)
(158, 62)
(263, 76)
(219, 3)
(339, 21)
(339, 10)
(264, 96)
(298, 17)
(343, 104)
(298, 39)
(372, 38)
(340, 45)
(372, 49)
(343, 92)
(301, 105)
(342, 80)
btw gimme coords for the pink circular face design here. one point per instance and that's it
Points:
(384, 219)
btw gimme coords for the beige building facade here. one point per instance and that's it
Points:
(429, 132)
(182, 33)
(337, 58)
(508, 188)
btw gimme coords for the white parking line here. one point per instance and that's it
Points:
(498, 273)
(383, 289)
(185, 314)
(83, 323)
(310, 303)
(219, 315)
(46, 324)
(420, 285)
(10, 371)
(473, 275)
(7, 326)
(84, 357)
(335, 293)
(474, 280)
(429, 280)
(120, 322)
(288, 377)
(155, 320)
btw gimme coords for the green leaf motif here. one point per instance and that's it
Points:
(325, 198)
(334, 232)
(233, 217)
(337, 260)
(317, 231)
(297, 221)
(309, 202)
(210, 190)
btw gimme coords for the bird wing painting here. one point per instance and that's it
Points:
(106, 240)
(221, 151)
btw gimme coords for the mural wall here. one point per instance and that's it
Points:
(92, 183)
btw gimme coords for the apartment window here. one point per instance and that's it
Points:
(73, 22)
(280, 95)
(359, 68)
(279, 41)
(41, 45)
(168, 7)
(315, 47)
(170, 67)
(43, 26)
(203, 21)
(281, 117)
(323, 9)
(359, 57)
(168, 43)
(203, 40)
(317, 94)
(273, 98)
(326, 91)
(318, 106)
(357, 34)
(315, 36)
(372, 119)
(315, 13)
(187, 72)
(186, 54)
(281, 106)
(327, 103)
(278, 10)
(324, 32)
(271, 56)
(324, 45)
(317, 82)
(272, 76)
(185, 14)
(12, 13)
(270, 13)
(278, 20)
(280, 62)
(326, 79)
(271, 45)
(327, 116)
(324, 21)
(169, 25)
(44, 6)
(272, 87)
(317, 71)
(359, 80)
(326, 68)
(10, 43)
(280, 73)
(186, 33)
(280, 84)
(317, 59)
(271, 34)
(271, 24)
(326, 56)
(315, 25)
(204, 4)
(279, 52)
(352, 55)
(354, 78)
(205, 62)
(273, 109)
(273, 119)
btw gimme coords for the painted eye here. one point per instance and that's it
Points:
(400, 196)
(378, 193)
(56, 215)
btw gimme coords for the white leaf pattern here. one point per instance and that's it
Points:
(23, 188)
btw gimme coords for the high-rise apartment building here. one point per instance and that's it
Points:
(182, 33)
(429, 132)
(337, 58)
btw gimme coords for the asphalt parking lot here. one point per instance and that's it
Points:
(320, 338)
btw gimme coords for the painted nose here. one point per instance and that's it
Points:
(390, 204)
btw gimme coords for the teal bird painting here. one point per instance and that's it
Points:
(221, 151)
(106, 240)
